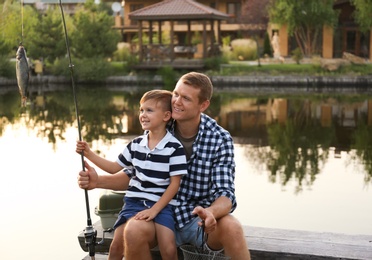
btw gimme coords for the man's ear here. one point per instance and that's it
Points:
(204, 105)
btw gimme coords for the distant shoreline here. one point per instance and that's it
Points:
(250, 83)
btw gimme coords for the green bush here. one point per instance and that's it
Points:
(122, 53)
(60, 67)
(7, 68)
(84, 70)
(244, 49)
(169, 77)
(297, 55)
(267, 49)
(213, 63)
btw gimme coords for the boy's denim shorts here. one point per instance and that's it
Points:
(133, 206)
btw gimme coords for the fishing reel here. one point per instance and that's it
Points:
(90, 235)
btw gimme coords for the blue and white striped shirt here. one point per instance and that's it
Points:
(150, 170)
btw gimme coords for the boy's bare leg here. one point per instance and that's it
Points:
(139, 238)
(117, 245)
(167, 242)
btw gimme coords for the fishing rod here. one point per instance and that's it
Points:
(90, 234)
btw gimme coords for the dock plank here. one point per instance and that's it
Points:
(308, 245)
(280, 244)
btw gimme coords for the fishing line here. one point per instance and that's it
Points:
(89, 232)
(22, 5)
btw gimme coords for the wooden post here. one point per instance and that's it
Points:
(327, 42)
(172, 39)
(140, 41)
(160, 37)
(204, 39)
(370, 44)
(150, 32)
(219, 32)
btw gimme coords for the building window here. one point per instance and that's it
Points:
(132, 8)
(234, 11)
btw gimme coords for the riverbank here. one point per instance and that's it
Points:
(220, 82)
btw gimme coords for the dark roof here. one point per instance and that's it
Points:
(177, 10)
(62, 1)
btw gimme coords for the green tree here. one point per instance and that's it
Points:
(93, 35)
(305, 20)
(15, 27)
(47, 40)
(362, 14)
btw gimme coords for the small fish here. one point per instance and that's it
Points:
(22, 71)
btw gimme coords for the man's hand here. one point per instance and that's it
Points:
(210, 223)
(88, 179)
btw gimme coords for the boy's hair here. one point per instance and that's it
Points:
(159, 95)
(199, 81)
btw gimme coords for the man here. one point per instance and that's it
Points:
(207, 192)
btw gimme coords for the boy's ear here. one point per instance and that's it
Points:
(167, 115)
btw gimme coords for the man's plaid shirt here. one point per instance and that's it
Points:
(211, 171)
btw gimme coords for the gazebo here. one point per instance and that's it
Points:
(176, 13)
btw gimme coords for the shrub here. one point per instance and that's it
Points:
(85, 70)
(267, 46)
(213, 63)
(168, 75)
(297, 55)
(7, 68)
(122, 53)
(244, 49)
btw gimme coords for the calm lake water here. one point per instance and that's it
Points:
(303, 162)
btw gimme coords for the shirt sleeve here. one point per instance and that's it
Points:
(223, 176)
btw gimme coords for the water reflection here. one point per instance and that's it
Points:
(291, 136)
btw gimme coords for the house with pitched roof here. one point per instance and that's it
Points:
(229, 19)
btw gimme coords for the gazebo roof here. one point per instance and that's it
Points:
(177, 10)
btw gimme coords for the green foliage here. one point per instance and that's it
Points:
(11, 25)
(92, 69)
(169, 76)
(226, 41)
(267, 49)
(239, 68)
(213, 63)
(60, 67)
(363, 12)
(4, 48)
(165, 37)
(122, 53)
(244, 49)
(305, 20)
(297, 55)
(93, 35)
(47, 40)
(196, 38)
(362, 139)
(85, 70)
(118, 68)
(7, 68)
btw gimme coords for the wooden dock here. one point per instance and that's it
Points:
(279, 244)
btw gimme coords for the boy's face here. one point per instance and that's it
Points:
(152, 115)
(185, 102)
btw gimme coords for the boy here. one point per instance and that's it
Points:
(156, 161)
